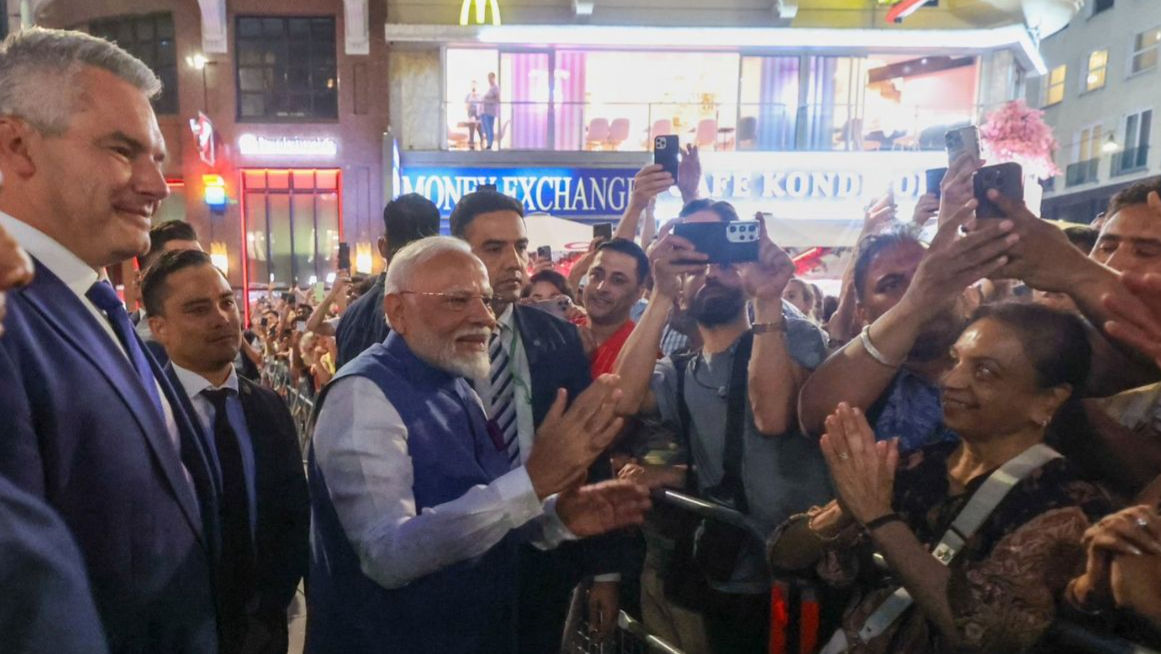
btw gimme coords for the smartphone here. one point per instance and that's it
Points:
(1007, 178)
(603, 231)
(300, 325)
(289, 298)
(544, 253)
(934, 179)
(320, 292)
(959, 141)
(665, 152)
(557, 306)
(344, 262)
(723, 242)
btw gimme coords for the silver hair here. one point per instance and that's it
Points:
(37, 67)
(403, 265)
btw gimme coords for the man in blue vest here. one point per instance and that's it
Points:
(416, 509)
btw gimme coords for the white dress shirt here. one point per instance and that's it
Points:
(193, 384)
(78, 276)
(521, 381)
(360, 444)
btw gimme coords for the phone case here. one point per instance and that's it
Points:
(964, 139)
(665, 152)
(732, 242)
(1007, 178)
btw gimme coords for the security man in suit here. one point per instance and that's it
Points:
(407, 218)
(88, 421)
(265, 509)
(533, 354)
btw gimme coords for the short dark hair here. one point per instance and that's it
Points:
(552, 277)
(724, 210)
(153, 287)
(479, 202)
(407, 219)
(162, 233)
(625, 246)
(1056, 342)
(871, 246)
(1082, 236)
(1136, 194)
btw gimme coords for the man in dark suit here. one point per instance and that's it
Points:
(88, 421)
(533, 354)
(407, 218)
(266, 512)
(47, 605)
(166, 237)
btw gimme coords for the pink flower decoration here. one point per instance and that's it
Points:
(1017, 132)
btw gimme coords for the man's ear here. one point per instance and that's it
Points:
(14, 152)
(394, 306)
(160, 329)
(382, 245)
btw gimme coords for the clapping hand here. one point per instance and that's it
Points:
(599, 508)
(863, 470)
(567, 442)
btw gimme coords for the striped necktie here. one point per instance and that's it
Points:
(501, 403)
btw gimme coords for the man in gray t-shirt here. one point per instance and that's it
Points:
(782, 471)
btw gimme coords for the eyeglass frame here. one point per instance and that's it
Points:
(449, 297)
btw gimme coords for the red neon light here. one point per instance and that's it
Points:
(904, 9)
(245, 251)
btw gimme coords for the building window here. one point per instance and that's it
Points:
(287, 69)
(1145, 50)
(1054, 92)
(150, 39)
(1098, 63)
(1135, 156)
(1087, 160)
(1100, 5)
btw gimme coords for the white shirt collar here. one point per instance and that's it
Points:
(505, 319)
(194, 384)
(60, 261)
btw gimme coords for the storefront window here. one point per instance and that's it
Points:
(150, 39)
(287, 68)
(292, 225)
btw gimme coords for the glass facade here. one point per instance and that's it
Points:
(287, 69)
(574, 99)
(292, 225)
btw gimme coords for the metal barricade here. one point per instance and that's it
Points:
(630, 637)
(299, 399)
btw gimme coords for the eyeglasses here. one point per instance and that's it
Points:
(457, 302)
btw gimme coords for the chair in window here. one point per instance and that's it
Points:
(747, 138)
(706, 134)
(597, 133)
(618, 133)
(457, 139)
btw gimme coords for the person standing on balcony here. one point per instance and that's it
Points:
(472, 101)
(490, 109)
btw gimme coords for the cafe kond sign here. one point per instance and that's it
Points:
(778, 182)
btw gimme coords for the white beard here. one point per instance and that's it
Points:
(442, 354)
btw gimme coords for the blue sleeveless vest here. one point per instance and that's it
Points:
(466, 608)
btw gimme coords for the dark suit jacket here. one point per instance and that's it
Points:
(77, 428)
(556, 359)
(47, 605)
(282, 524)
(362, 324)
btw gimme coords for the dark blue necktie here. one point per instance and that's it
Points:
(105, 298)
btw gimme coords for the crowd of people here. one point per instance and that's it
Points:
(958, 450)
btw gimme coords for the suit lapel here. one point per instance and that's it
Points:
(61, 308)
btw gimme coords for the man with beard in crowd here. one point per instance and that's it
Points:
(615, 283)
(780, 471)
(418, 513)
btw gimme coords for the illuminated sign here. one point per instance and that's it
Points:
(252, 145)
(480, 7)
(559, 191)
(203, 131)
(791, 185)
(214, 192)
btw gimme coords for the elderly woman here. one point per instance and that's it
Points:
(994, 586)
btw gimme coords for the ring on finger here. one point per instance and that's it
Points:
(843, 456)
(1142, 522)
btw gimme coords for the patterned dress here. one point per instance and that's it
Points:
(1006, 581)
